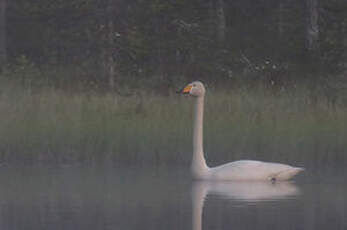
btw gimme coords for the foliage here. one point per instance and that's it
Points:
(52, 126)
(175, 38)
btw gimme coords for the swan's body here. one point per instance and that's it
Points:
(237, 170)
(247, 170)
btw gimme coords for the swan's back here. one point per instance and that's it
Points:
(252, 170)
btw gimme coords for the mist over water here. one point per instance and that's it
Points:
(72, 197)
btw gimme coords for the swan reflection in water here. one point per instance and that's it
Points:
(240, 191)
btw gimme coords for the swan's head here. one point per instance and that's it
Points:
(196, 89)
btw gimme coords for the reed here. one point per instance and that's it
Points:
(153, 130)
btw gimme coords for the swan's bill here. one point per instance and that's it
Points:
(185, 90)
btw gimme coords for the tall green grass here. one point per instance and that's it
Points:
(154, 130)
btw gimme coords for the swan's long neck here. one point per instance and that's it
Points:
(198, 162)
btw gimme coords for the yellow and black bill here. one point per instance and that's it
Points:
(185, 90)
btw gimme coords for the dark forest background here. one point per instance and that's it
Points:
(112, 44)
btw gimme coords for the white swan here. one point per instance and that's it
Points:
(237, 170)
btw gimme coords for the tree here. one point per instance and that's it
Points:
(111, 5)
(221, 24)
(280, 19)
(3, 46)
(312, 27)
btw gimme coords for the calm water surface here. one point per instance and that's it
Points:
(111, 198)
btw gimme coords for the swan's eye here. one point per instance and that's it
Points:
(194, 85)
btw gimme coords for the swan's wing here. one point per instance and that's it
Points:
(287, 174)
(253, 170)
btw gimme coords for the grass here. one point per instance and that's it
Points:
(153, 130)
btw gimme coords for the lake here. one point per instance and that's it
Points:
(73, 197)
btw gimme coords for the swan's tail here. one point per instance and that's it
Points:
(289, 173)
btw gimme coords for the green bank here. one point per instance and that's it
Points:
(149, 129)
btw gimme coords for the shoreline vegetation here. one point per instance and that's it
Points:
(147, 128)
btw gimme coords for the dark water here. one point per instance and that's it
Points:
(111, 198)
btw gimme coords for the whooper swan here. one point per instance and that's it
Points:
(237, 170)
